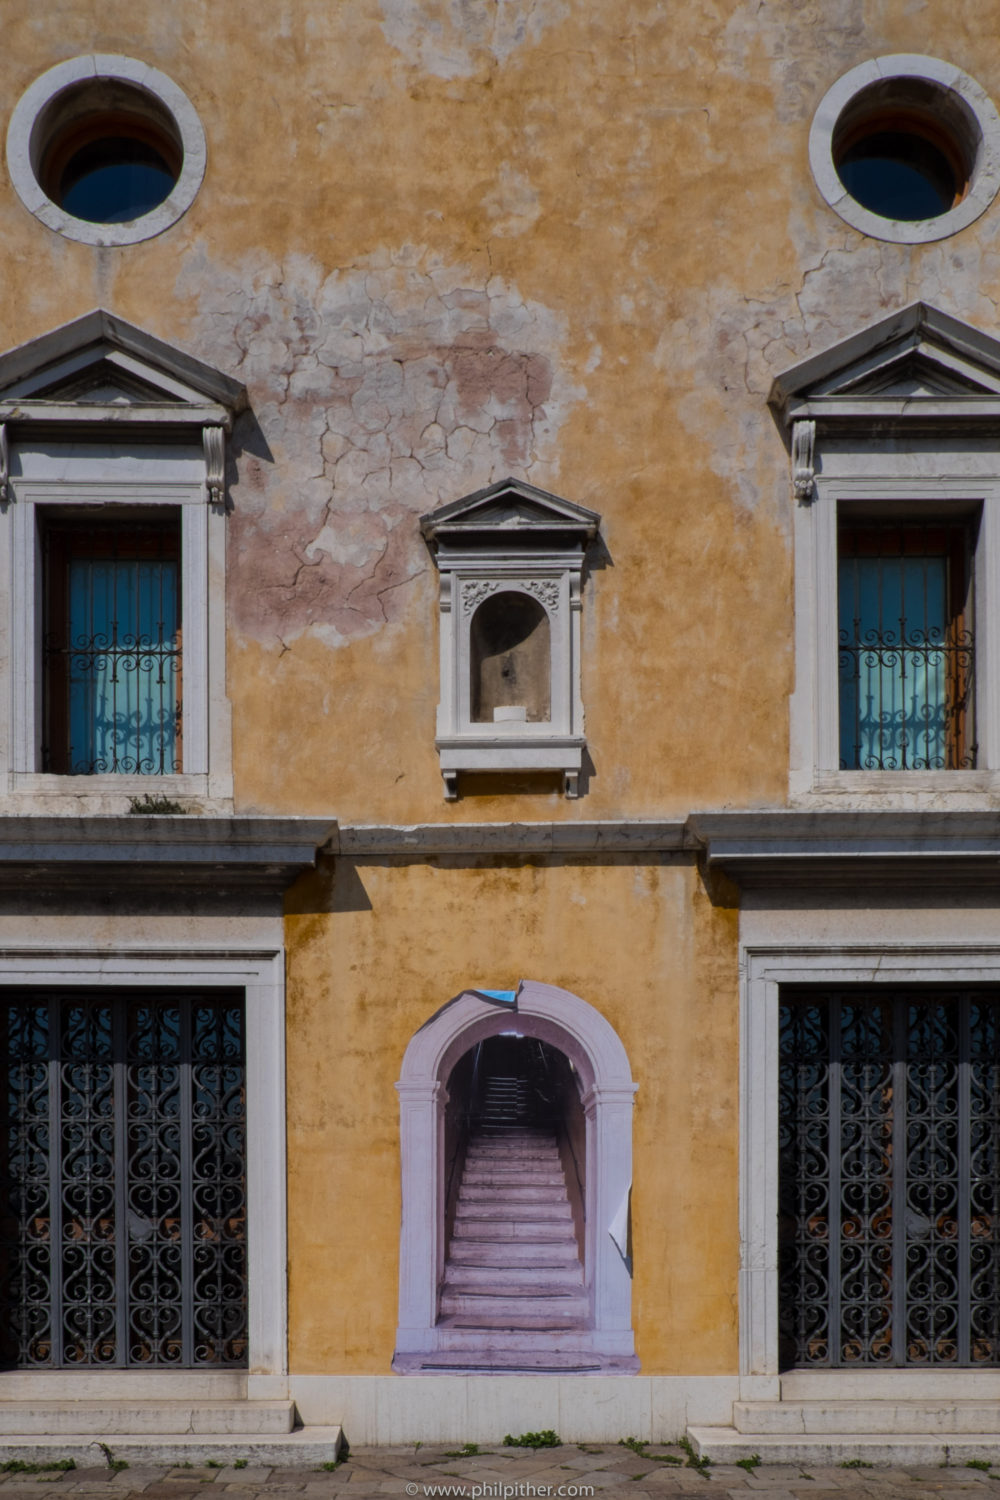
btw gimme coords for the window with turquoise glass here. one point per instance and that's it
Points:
(112, 648)
(906, 645)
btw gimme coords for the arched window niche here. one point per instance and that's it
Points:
(601, 1340)
(511, 561)
(511, 657)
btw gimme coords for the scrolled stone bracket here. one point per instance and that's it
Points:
(5, 491)
(804, 460)
(214, 441)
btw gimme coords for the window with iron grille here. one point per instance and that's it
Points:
(907, 648)
(112, 646)
(889, 1197)
(123, 1202)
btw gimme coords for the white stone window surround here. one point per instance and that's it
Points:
(763, 971)
(25, 146)
(856, 475)
(52, 474)
(970, 99)
(259, 972)
(565, 1021)
(519, 745)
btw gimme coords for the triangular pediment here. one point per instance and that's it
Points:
(101, 361)
(919, 354)
(510, 506)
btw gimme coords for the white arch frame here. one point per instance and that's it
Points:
(593, 1046)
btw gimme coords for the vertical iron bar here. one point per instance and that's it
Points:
(55, 1179)
(119, 1053)
(836, 1336)
(186, 1004)
(899, 1029)
(964, 1208)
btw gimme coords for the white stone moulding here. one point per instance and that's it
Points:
(101, 414)
(763, 971)
(259, 973)
(589, 1041)
(510, 537)
(902, 411)
(25, 146)
(206, 711)
(967, 100)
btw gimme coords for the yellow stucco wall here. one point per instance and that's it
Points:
(376, 950)
(442, 244)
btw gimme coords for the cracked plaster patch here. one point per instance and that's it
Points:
(380, 392)
(454, 38)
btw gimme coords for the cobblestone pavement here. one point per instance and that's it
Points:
(574, 1469)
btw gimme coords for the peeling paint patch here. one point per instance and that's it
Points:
(377, 393)
(454, 38)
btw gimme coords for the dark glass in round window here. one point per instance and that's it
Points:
(899, 175)
(113, 180)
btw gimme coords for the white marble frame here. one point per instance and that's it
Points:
(764, 971)
(969, 99)
(814, 707)
(259, 972)
(25, 147)
(207, 771)
(593, 1046)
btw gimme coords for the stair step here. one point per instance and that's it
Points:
(520, 1210)
(726, 1444)
(483, 1228)
(305, 1448)
(560, 1307)
(513, 1280)
(138, 1418)
(503, 1253)
(512, 1193)
(923, 1418)
(503, 1362)
(513, 1177)
(457, 1337)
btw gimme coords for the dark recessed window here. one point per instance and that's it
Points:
(908, 159)
(113, 163)
(900, 175)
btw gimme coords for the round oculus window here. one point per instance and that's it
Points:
(106, 150)
(906, 149)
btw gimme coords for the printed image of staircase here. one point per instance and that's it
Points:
(513, 1296)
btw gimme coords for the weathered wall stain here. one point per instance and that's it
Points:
(380, 392)
(455, 38)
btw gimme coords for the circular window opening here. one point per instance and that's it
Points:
(109, 161)
(898, 149)
(106, 150)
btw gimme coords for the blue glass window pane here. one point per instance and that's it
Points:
(115, 181)
(124, 664)
(901, 658)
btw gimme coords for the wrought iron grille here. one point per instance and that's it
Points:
(123, 1181)
(112, 648)
(906, 646)
(889, 1107)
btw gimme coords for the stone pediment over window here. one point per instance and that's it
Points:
(896, 471)
(511, 560)
(100, 369)
(113, 518)
(920, 366)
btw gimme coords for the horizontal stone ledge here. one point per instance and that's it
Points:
(612, 837)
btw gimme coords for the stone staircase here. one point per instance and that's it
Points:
(954, 1416)
(513, 1296)
(152, 1418)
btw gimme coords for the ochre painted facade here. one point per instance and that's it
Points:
(376, 951)
(441, 243)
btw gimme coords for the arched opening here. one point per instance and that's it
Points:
(511, 659)
(516, 1156)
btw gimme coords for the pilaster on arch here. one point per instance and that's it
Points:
(593, 1046)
